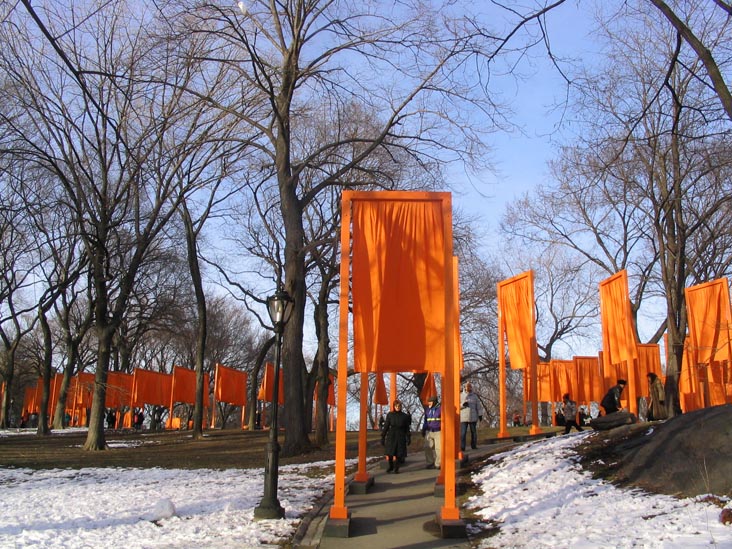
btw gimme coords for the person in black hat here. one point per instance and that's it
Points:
(431, 433)
(611, 400)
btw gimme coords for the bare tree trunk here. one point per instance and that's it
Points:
(201, 333)
(46, 369)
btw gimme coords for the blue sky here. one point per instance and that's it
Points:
(520, 159)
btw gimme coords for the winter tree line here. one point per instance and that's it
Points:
(164, 166)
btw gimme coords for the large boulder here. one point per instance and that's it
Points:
(687, 455)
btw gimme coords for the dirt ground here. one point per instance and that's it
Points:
(229, 449)
(685, 456)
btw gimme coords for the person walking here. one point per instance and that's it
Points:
(470, 414)
(396, 436)
(569, 410)
(656, 405)
(611, 400)
(431, 433)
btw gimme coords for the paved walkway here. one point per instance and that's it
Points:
(398, 511)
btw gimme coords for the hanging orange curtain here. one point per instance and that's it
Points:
(83, 390)
(230, 385)
(590, 386)
(565, 372)
(715, 380)
(619, 342)
(29, 400)
(516, 302)
(266, 388)
(183, 387)
(691, 398)
(398, 285)
(380, 394)
(38, 394)
(709, 317)
(544, 382)
(331, 390)
(119, 390)
(649, 361)
(55, 390)
(151, 388)
(429, 389)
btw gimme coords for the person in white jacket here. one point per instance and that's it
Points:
(470, 414)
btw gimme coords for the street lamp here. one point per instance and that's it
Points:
(279, 307)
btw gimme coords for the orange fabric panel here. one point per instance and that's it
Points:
(183, 386)
(380, 394)
(55, 390)
(398, 285)
(567, 378)
(150, 387)
(267, 386)
(649, 361)
(544, 376)
(516, 304)
(230, 385)
(715, 378)
(429, 389)
(591, 387)
(709, 318)
(83, 390)
(29, 400)
(619, 342)
(38, 394)
(119, 390)
(331, 390)
(691, 397)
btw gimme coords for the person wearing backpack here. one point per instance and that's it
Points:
(569, 410)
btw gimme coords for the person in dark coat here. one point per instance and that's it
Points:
(396, 436)
(611, 400)
(656, 405)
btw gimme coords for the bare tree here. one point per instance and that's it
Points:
(107, 127)
(18, 261)
(649, 177)
(402, 65)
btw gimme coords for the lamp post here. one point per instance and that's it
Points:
(279, 307)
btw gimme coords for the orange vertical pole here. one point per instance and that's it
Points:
(449, 511)
(502, 428)
(213, 406)
(633, 389)
(170, 412)
(393, 392)
(534, 381)
(361, 475)
(339, 510)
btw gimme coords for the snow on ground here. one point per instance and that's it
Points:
(536, 493)
(539, 496)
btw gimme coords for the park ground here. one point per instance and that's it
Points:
(684, 456)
